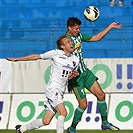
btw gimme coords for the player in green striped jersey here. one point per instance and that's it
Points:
(87, 79)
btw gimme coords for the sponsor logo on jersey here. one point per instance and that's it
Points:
(67, 66)
(62, 57)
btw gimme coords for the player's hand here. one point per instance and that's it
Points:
(73, 74)
(11, 59)
(116, 25)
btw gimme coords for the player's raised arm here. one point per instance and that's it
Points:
(103, 33)
(26, 58)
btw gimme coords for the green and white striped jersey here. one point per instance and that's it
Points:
(78, 48)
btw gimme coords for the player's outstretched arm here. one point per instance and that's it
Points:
(26, 58)
(103, 33)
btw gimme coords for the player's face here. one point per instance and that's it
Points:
(74, 30)
(68, 45)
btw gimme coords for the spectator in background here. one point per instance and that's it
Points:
(113, 3)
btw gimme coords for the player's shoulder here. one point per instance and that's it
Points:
(58, 51)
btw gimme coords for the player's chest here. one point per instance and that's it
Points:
(64, 62)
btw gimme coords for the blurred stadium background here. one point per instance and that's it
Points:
(32, 26)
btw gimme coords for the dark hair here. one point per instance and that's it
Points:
(72, 21)
(59, 41)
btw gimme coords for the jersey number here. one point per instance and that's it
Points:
(65, 73)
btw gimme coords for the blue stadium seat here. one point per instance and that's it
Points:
(33, 26)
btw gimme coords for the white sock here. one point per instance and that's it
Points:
(32, 125)
(60, 124)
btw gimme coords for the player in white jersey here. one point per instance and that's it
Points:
(64, 65)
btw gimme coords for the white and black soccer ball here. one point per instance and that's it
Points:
(91, 13)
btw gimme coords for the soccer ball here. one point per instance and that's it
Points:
(91, 13)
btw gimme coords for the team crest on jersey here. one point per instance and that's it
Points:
(78, 47)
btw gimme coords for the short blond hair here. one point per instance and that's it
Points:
(59, 41)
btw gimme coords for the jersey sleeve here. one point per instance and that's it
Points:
(86, 38)
(49, 54)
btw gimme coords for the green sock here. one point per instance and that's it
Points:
(102, 106)
(77, 117)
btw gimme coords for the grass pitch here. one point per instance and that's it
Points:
(78, 131)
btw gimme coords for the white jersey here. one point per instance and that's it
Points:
(62, 65)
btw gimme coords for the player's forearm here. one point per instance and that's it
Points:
(101, 34)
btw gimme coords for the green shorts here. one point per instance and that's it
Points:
(85, 80)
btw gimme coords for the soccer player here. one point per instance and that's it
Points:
(64, 65)
(87, 79)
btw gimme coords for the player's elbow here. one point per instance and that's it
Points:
(95, 39)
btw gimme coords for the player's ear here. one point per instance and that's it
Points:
(69, 28)
(62, 46)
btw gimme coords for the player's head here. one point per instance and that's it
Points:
(72, 21)
(73, 26)
(60, 42)
(64, 43)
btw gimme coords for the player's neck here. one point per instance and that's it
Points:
(69, 34)
(68, 54)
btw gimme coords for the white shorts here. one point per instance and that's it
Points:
(53, 99)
